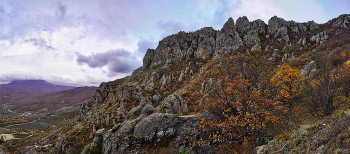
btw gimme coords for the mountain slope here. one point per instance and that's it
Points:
(227, 90)
(56, 100)
(17, 90)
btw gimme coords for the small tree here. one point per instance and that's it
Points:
(289, 82)
(342, 79)
(238, 112)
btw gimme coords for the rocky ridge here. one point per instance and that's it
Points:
(145, 117)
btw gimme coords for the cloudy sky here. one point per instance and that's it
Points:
(86, 42)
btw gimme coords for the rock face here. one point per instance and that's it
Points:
(1, 150)
(166, 79)
(199, 44)
(342, 21)
(320, 37)
(209, 43)
(276, 23)
(173, 104)
(288, 56)
(310, 67)
(227, 40)
(256, 47)
(144, 127)
(145, 117)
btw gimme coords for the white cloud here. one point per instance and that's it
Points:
(298, 10)
(40, 38)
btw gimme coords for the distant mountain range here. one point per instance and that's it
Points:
(33, 95)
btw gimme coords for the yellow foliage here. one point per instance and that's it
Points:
(286, 77)
(347, 63)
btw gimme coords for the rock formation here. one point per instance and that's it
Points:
(146, 117)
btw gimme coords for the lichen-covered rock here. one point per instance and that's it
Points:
(144, 126)
(288, 56)
(308, 68)
(206, 46)
(341, 21)
(227, 39)
(150, 86)
(173, 104)
(276, 23)
(251, 38)
(311, 25)
(166, 79)
(154, 76)
(210, 86)
(181, 75)
(256, 47)
(243, 25)
(320, 37)
(199, 44)
(147, 60)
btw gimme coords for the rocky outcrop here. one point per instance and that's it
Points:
(181, 76)
(173, 104)
(288, 56)
(320, 37)
(144, 127)
(276, 23)
(199, 44)
(250, 30)
(1, 150)
(227, 39)
(210, 86)
(310, 67)
(98, 111)
(342, 21)
(146, 116)
(166, 79)
(311, 25)
(256, 47)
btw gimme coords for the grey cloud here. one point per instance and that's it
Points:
(173, 27)
(41, 43)
(87, 80)
(62, 10)
(143, 45)
(117, 61)
(18, 75)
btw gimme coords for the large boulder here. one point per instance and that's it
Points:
(144, 127)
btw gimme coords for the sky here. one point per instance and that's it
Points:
(86, 42)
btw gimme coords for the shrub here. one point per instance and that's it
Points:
(184, 150)
(239, 113)
(72, 150)
(108, 125)
(93, 150)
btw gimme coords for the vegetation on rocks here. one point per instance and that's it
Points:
(223, 91)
